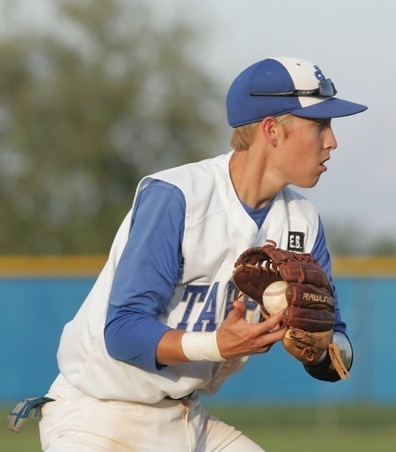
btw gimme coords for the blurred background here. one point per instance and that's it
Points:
(94, 94)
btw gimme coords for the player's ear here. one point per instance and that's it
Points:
(269, 129)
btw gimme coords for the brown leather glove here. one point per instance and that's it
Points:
(310, 312)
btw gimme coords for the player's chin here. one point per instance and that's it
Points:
(309, 182)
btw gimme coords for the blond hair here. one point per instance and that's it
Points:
(243, 136)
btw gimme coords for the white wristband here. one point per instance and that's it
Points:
(201, 347)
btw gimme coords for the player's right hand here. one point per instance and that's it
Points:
(237, 338)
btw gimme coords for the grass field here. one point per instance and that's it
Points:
(278, 429)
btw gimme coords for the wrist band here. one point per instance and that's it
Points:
(201, 347)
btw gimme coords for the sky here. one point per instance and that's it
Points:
(353, 42)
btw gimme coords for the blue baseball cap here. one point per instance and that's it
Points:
(280, 85)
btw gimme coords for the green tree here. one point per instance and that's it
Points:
(85, 111)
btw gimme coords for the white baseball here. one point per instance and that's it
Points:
(274, 297)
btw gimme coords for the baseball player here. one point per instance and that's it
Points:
(162, 324)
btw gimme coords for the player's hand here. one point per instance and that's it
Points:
(236, 337)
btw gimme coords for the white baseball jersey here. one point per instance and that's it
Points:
(217, 231)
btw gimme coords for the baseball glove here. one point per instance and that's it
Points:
(310, 313)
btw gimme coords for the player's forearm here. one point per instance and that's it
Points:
(169, 349)
(133, 337)
(180, 346)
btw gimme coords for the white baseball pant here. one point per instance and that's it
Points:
(77, 422)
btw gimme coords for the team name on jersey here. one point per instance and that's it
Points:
(201, 309)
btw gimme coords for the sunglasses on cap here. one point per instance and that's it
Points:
(326, 88)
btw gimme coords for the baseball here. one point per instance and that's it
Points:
(274, 298)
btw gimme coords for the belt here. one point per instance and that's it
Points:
(186, 397)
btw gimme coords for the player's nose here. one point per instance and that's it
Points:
(330, 141)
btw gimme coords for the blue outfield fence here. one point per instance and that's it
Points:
(37, 297)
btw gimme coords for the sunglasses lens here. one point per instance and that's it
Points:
(326, 88)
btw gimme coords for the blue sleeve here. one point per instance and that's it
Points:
(146, 275)
(322, 255)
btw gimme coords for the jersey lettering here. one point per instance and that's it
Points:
(192, 294)
(208, 314)
(231, 293)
